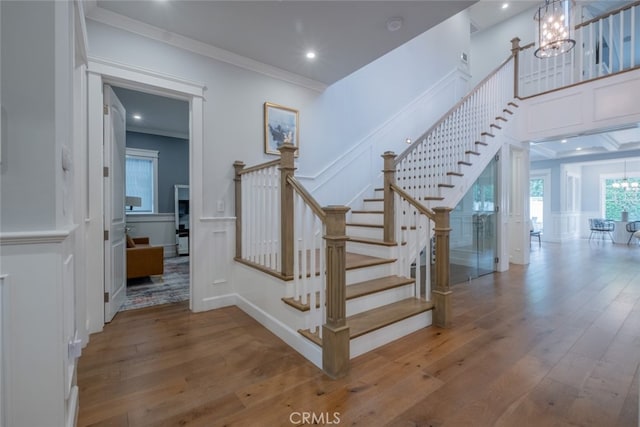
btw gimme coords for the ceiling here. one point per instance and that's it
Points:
(346, 35)
(607, 142)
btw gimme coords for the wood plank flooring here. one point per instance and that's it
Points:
(554, 343)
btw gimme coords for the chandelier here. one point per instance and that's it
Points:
(624, 183)
(554, 28)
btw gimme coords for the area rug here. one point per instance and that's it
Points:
(172, 286)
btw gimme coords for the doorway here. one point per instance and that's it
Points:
(157, 161)
(473, 242)
(102, 72)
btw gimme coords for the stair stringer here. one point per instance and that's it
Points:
(461, 184)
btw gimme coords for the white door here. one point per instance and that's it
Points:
(115, 267)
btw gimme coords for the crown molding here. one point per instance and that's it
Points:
(116, 20)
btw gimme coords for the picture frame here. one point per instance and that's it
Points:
(280, 123)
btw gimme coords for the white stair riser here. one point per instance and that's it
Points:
(378, 299)
(378, 194)
(379, 251)
(377, 205)
(368, 273)
(389, 333)
(367, 218)
(368, 232)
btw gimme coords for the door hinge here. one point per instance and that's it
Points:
(497, 157)
(105, 109)
(106, 234)
(106, 297)
(497, 260)
(497, 209)
(105, 172)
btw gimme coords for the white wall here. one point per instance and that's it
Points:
(490, 47)
(28, 173)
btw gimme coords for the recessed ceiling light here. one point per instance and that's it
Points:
(579, 148)
(137, 117)
(310, 55)
(505, 5)
(394, 24)
(564, 141)
(408, 140)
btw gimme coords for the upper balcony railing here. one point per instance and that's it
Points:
(606, 45)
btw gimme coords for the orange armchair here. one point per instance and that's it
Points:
(143, 259)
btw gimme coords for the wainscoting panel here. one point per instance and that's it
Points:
(221, 255)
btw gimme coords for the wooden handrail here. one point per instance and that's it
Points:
(607, 14)
(307, 197)
(260, 166)
(422, 209)
(418, 140)
(527, 46)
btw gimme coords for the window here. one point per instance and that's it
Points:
(141, 172)
(617, 200)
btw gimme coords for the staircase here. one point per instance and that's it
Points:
(380, 305)
(363, 283)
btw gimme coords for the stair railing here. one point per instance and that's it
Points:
(605, 45)
(430, 161)
(412, 223)
(283, 231)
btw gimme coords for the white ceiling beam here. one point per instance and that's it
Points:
(543, 152)
(609, 143)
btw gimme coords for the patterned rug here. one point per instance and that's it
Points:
(172, 286)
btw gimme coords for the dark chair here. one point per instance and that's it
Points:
(534, 233)
(632, 227)
(601, 226)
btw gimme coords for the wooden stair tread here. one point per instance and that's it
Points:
(455, 174)
(371, 241)
(371, 320)
(354, 261)
(475, 153)
(373, 200)
(493, 125)
(372, 286)
(464, 163)
(432, 198)
(488, 134)
(501, 118)
(506, 110)
(513, 104)
(481, 143)
(446, 185)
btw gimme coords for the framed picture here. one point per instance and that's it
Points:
(280, 125)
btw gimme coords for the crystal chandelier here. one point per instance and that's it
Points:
(624, 183)
(554, 28)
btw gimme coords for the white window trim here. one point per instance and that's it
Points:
(153, 156)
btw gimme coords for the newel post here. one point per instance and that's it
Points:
(515, 52)
(389, 171)
(335, 332)
(441, 292)
(238, 166)
(287, 168)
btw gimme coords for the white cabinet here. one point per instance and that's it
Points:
(182, 218)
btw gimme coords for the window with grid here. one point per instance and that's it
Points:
(141, 170)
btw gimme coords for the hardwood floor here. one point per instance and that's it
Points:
(554, 343)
